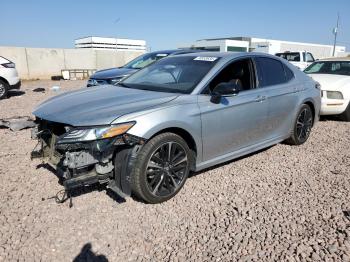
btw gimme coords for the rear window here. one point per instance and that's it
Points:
(292, 57)
(270, 72)
(289, 73)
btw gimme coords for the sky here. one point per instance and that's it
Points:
(168, 24)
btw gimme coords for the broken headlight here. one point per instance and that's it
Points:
(94, 133)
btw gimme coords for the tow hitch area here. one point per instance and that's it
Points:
(105, 161)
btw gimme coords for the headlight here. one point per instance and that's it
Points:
(334, 95)
(9, 65)
(92, 82)
(95, 133)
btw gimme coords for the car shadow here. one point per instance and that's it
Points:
(193, 174)
(86, 254)
(332, 118)
(83, 189)
(51, 170)
(14, 93)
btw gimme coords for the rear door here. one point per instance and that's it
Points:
(281, 92)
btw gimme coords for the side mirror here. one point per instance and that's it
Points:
(224, 89)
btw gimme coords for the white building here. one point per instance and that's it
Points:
(110, 43)
(249, 44)
(222, 45)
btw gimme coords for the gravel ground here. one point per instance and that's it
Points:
(281, 204)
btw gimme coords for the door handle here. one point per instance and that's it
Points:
(260, 98)
(257, 99)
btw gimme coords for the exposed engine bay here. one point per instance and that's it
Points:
(82, 163)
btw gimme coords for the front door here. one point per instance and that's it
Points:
(237, 121)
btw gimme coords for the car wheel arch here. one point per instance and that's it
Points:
(4, 80)
(186, 135)
(312, 106)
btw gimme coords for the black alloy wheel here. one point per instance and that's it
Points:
(161, 168)
(166, 169)
(302, 126)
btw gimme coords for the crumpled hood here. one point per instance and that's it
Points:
(331, 82)
(98, 105)
(112, 73)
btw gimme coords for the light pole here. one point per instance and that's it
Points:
(335, 32)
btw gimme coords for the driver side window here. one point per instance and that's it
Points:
(238, 72)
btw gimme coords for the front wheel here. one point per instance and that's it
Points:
(302, 126)
(161, 168)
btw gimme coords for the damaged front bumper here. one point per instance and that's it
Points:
(89, 162)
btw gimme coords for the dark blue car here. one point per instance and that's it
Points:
(113, 76)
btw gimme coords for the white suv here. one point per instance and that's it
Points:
(8, 77)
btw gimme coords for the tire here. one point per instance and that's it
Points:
(302, 126)
(157, 175)
(346, 114)
(4, 87)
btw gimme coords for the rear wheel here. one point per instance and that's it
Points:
(161, 168)
(346, 114)
(4, 87)
(302, 126)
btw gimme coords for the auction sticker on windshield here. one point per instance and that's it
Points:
(206, 58)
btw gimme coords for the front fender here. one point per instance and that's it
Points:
(184, 116)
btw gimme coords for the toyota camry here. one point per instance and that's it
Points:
(182, 114)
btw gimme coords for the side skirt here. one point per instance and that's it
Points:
(239, 153)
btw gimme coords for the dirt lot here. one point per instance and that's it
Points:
(284, 203)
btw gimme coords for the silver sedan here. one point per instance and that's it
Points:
(181, 114)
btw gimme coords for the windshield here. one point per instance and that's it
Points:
(292, 57)
(329, 67)
(173, 74)
(144, 60)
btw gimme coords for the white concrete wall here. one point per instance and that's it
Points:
(42, 63)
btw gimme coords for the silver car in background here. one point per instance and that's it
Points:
(184, 113)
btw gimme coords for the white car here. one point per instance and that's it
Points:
(334, 77)
(8, 77)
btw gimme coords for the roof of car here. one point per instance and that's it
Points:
(174, 51)
(230, 54)
(215, 54)
(335, 59)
